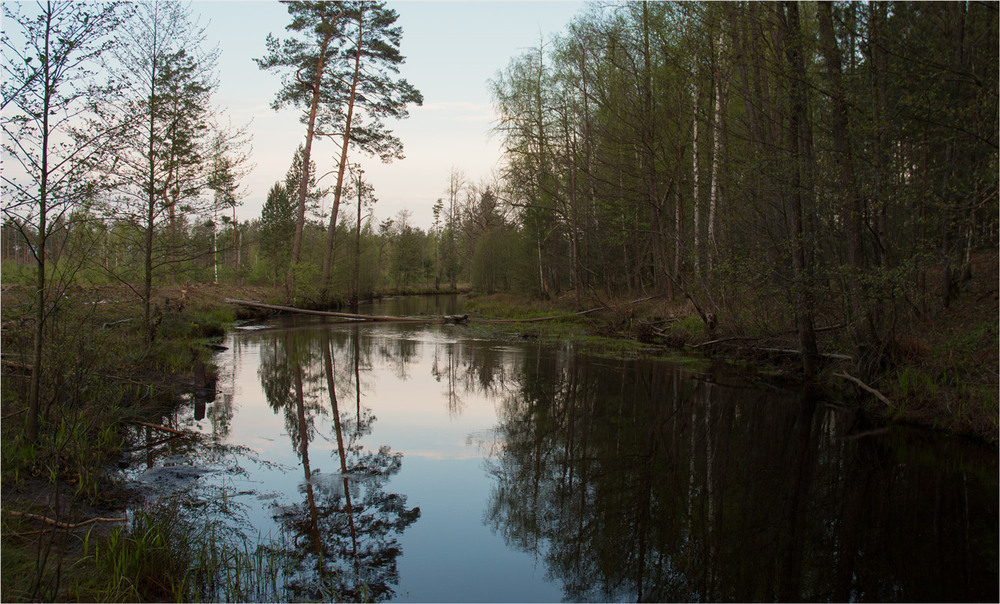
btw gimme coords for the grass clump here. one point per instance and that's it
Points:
(147, 561)
(164, 555)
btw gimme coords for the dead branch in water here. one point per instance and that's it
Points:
(164, 428)
(866, 388)
(64, 525)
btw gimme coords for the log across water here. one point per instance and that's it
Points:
(387, 319)
(351, 316)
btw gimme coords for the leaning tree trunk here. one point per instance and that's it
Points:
(332, 230)
(300, 218)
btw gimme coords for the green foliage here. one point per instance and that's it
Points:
(451, 265)
(277, 226)
(307, 281)
(408, 251)
(73, 447)
(14, 273)
(494, 260)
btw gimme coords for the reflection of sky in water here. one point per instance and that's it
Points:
(599, 459)
(446, 552)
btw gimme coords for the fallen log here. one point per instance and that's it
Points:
(328, 313)
(118, 322)
(390, 319)
(833, 356)
(16, 365)
(723, 340)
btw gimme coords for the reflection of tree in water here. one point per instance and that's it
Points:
(466, 367)
(634, 483)
(398, 352)
(345, 529)
(288, 374)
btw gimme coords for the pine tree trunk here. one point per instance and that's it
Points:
(300, 218)
(332, 230)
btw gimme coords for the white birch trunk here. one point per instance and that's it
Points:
(716, 153)
(694, 176)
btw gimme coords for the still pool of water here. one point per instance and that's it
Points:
(412, 462)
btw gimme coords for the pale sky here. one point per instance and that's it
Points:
(451, 47)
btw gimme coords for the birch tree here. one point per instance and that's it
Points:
(169, 79)
(55, 135)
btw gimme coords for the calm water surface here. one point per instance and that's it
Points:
(432, 463)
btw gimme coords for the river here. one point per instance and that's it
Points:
(413, 462)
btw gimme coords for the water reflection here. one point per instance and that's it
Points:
(345, 544)
(615, 480)
(636, 482)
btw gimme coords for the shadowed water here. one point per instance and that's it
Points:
(432, 463)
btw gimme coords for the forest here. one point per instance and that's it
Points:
(808, 190)
(791, 167)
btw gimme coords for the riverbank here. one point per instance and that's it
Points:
(942, 372)
(101, 380)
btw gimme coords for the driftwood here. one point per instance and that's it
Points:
(865, 387)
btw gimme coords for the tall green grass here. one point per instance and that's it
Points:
(163, 556)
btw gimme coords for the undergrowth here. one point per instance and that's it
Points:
(99, 375)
